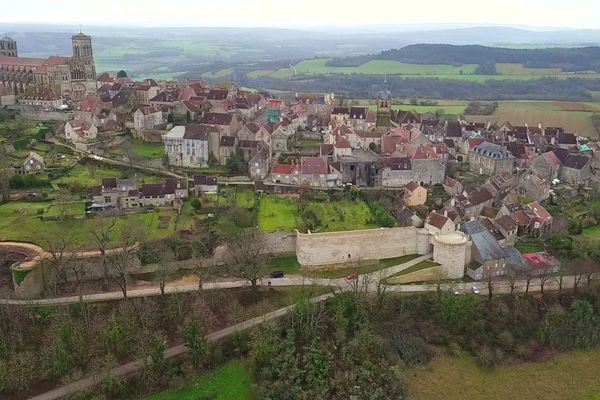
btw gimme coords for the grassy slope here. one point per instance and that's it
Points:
(276, 213)
(19, 221)
(367, 268)
(230, 381)
(570, 376)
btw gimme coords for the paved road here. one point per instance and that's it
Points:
(133, 366)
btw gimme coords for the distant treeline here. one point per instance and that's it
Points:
(367, 86)
(568, 59)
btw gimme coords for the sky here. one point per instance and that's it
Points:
(304, 13)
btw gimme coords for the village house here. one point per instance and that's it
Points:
(188, 146)
(488, 258)
(227, 146)
(546, 166)
(360, 167)
(228, 123)
(248, 132)
(508, 228)
(205, 184)
(80, 131)
(452, 186)
(258, 164)
(490, 159)
(287, 174)
(281, 140)
(437, 223)
(34, 163)
(414, 194)
(396, 171)
(148, 118)
(471, 202)
(535, 187)
(315, 172)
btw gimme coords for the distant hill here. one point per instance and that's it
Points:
(568, 59)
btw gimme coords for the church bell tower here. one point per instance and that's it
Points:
(384, 106)
(83, 70)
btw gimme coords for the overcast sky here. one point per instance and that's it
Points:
(304, 13)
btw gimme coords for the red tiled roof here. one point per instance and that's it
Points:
(412, 185)
(284, 169)
(313, 165)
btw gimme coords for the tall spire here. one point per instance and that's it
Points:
(386, 86)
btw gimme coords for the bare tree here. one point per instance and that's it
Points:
(582, 267)
(60, 250)
(104, 228)
(490, 282)
(528, 277)
(563, 270)
(544, 277)
(512, 278)
(120, 262)
(246, 256)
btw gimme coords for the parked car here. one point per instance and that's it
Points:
(475, 290)
(277, 274)
(352, 277)
(453, 291)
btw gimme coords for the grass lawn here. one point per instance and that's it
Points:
(245, 198)
(343, 215)
(593, 232)
(528, 247)
(147, 150)
(570, 376)
(19, 221)
(88, 176)
(230, 381)
(277, 213)
(286, 264)
(417, 267)
(365, 268)
(308, 143)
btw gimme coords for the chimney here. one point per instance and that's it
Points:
(445, 213)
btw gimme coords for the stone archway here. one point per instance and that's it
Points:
(78, 91)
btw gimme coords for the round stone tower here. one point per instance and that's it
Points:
(423, 241)
(450, 250)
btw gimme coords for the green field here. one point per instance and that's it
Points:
(20, 221)
(245, 198)
(344, 215)
(277, 213)
(286, 264)
(318, 66)
(148, 150)
(231, 381)
(88, 176)
(569, 376)
(573, 116)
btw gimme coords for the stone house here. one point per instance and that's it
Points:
(488, 258)
(227, 146)
(452, 186)
(34, 163)
(205, 184)
(414, 194)
(508, 228)
(80, 131)
(116, 193)
(315, 172)
(437, 223)
(535, 187)
(147, 118)
(188, 146)
(248, 132)
(228, 123)
(396, 171)
(546, 166)
(288, 174)
(471, 202)
(281, 141)
(575, 169)
(258, 165)
(360, 168)
(490, 159)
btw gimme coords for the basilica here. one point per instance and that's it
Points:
(69, 77)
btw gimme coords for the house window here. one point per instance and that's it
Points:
(107, 199)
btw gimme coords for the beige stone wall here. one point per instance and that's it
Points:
(352, 246)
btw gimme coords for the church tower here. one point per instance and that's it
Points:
(384, 106)
(8, 47)
(83, 70)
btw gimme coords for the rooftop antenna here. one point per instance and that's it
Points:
(80, 29)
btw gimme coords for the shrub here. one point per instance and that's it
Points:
(486, 357)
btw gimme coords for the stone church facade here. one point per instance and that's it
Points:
(71, 78)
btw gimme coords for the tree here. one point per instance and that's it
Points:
(235, 164)
(60, 248)
(120, 262)
(544, 277)
(104, 228)
(5, 175)
(490, 280)
(246, 256)
(122, 74)
(512, 278)
(195, 342)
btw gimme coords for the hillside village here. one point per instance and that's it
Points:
(482, 185)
